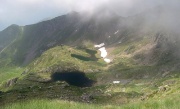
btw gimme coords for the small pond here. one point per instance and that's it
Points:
(75, 78)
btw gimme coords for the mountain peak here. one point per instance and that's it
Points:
(73, 12)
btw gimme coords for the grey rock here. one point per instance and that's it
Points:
(89, 71)
(11, 82)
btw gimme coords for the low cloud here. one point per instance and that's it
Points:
(24, 12)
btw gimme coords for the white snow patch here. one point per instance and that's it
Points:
(99, 46)
(116, 82)
(107, 60)
(103, 52)
(116, 32)
(109, 36)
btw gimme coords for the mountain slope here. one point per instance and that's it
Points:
(102, 26)
(8, 35)
(69, 29)
(58, 52)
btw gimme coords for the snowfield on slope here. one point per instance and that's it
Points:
(103, 52)
(99, 46)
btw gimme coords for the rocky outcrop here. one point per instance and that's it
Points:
(11, 82)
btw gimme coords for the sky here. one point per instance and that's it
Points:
(24, 12)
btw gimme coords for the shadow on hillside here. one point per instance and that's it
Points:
(83, 58)
(91, 52)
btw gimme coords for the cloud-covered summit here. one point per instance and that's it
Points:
(24, 12)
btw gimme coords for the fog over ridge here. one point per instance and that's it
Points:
(23, 12)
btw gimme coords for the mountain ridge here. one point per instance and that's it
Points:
(74, 28)
(53, 59)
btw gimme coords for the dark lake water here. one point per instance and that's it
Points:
(73, 78)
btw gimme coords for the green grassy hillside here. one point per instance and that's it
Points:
(167, 103)
(9, 73)
(141, 86)
(39, 62)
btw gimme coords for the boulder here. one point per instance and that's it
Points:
(163, 88)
